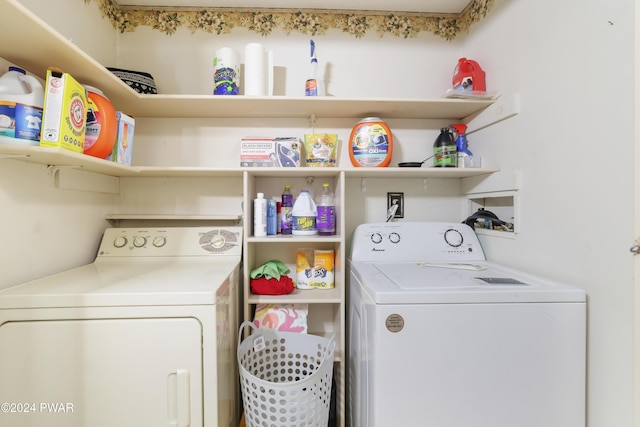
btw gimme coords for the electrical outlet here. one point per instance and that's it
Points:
(396, 199)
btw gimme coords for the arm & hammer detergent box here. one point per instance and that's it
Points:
(64, 114)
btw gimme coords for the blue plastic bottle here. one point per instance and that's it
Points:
(465, 157)
(272, 217)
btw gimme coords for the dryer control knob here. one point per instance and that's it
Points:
(394, 237)
(218, 241)
(120, 242)
(376, 238)
(159, 241)
(139, 241)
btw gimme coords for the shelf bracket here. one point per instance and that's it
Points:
(74, 178)
(13, 156)
(312, 122)
(54, 172)
(425, 184)
(363, 185)
(505, 107)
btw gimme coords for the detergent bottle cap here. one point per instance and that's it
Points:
(18, 69)
(460, 128)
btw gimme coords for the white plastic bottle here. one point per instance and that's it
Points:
(21, 101)
(314, 85)
(260, 216)
(326, 208)
(304, 215)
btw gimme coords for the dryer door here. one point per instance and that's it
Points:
(102, 373)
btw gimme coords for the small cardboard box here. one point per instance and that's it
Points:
(64, 115)
(124, 140)
(270, 152)
(315, 269)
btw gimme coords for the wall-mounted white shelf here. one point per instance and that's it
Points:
(423, 172)
(204, 106)
(60, 157)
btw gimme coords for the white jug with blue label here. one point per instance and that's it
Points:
(304, 215)
(21, 101)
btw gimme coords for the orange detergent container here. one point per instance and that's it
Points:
(371, 143)
(102, 124)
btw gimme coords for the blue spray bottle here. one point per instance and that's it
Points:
(465, 157)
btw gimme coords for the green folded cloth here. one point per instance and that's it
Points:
(271, 270)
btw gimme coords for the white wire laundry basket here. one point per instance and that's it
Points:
(285, 378)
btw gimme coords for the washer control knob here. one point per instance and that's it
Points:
(159, 241)
(453, 237)
(376, 238)
(139, 241)
(394, 237)
(120, 242)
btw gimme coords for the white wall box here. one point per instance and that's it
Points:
(504, 204)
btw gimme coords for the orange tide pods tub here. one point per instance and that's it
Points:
(371, 143)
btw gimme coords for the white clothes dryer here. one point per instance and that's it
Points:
(438, 336)
(142, 337)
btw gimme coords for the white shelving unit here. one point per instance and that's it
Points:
(41, 46)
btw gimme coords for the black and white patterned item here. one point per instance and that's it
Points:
(139, 81)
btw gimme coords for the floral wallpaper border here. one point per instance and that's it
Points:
(306, 21)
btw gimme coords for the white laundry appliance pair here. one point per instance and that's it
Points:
(438, 336)
(142, 337)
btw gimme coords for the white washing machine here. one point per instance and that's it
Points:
(144, 336)
(438, 336)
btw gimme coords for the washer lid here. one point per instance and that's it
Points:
(477, 282)
(127, 282)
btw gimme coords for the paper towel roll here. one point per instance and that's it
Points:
(226, 72)
(258, 64)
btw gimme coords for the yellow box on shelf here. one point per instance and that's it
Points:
(64, 115)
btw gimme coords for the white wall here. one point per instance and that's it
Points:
(367, 67)
(81, 23)
(46, 229)
(572, 63)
